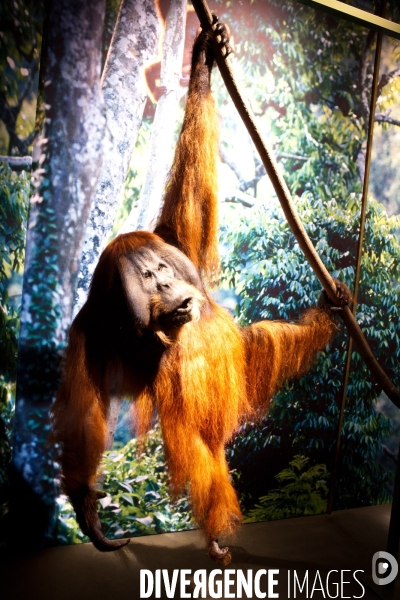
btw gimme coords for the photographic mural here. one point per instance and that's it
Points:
(308, 78)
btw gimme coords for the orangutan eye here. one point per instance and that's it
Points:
(161, 267)
(147, 274)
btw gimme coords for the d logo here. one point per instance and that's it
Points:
(387, 566)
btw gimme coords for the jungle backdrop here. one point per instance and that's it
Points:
(308, 79)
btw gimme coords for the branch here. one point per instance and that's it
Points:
(382, 118)
(244, 184)
(17, 161)
(292, 156)
(280, 109)
(6, 114)
(8, 118)
(387, 78)
(239, 198)
(390, 454)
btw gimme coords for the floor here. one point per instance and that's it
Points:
(342, 542)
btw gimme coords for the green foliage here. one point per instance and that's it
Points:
(14, 194)
(21, 24)
(42, 345)
(310, 106)
(302, 492)
(138, 501)
(266, 265)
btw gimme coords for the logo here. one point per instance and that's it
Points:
(384, 564)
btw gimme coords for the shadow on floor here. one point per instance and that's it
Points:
(302, 550)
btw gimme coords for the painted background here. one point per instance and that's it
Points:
(308, 78)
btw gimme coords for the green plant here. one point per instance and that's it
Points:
(138, 500)
(14, 194)
(274, 280)
(302, 492)
(310, 106)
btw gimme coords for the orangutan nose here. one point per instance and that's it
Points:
(163, 285)
(186, 304)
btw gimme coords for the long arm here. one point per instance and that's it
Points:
(277, 351)
(189, 216)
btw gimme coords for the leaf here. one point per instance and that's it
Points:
(147, 521)
(105, 501)
(125, 485)
(127, 498)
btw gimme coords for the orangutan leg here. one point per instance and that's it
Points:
(79, 419)
(214, 500)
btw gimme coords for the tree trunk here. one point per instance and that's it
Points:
(145, 215)
(161, 145)
(133, 45)
(75, 127)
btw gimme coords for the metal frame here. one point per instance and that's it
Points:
(383, 27)
(355, 15)
(364, 202)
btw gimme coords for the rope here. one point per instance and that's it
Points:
(290, 211)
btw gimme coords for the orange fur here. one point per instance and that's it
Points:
(277, 351)
(189, 217)
(200, 405)
(218, 384)
(79, 417)
(150, 332)
(210, 378)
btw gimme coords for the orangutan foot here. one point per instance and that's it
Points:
(84, 501)
(220, 555)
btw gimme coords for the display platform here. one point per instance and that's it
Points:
(341, 543)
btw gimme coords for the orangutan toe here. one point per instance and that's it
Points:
(220, 555)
